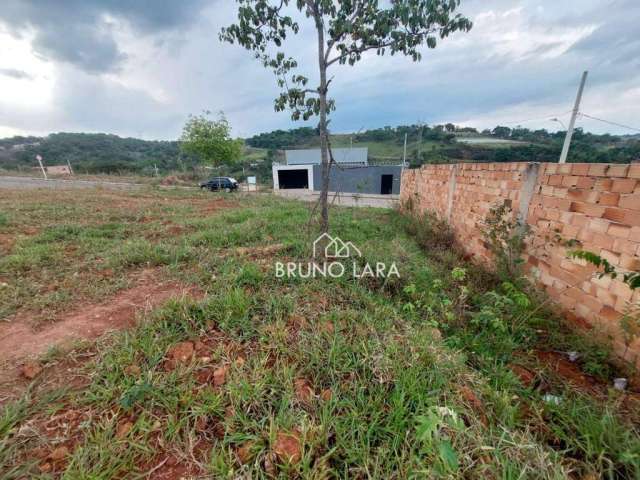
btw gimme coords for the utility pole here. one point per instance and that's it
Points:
(44, 172)
(574, 114)
(404, 152)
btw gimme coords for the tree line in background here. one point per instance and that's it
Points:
(103, 153)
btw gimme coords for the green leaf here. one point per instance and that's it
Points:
(448, 456)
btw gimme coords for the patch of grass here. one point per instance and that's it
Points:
(407, 378)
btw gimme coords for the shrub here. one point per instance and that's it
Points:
(505, 238)
(430, 231)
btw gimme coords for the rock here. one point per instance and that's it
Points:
(31, 370)
(435, 333)
(133, 370)
(181, 352)
(527, 377)
(245, 452)
(58, 454)
(123, 429)
(199, 346)
(269, 464)
(304, 391)
(326, 394)
(288, 447)
(474, 402)
(239, 362)
(328, 327)
(220, 376)
(45, 467)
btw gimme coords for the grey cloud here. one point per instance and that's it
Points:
(79, 31)
(13, 73)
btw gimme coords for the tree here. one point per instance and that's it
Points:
(345, 31)
(502, 132)
(210, 139)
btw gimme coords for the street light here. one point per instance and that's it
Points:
(560, 122)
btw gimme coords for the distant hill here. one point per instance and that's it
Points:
(104, 153)
(93, 153)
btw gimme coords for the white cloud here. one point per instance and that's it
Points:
(521, 60)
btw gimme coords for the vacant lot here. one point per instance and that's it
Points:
(442, 373)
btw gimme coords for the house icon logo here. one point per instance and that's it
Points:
(333, 247)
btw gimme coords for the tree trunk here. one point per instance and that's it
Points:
(322, 126)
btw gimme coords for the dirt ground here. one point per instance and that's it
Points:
(22, 343)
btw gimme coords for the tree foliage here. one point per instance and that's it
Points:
(350, 28)
(345, 30)
(210, 139)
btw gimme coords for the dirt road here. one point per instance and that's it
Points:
(31, 183)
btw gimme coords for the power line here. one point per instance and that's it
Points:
(545, 117)
(609, 122)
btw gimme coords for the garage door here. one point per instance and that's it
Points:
(288, 179)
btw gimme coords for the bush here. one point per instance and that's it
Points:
(430, 231)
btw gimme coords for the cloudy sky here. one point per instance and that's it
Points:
(139, 67)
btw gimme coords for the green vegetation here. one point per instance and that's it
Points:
(210, 140)
(417, 377)
(100, 153)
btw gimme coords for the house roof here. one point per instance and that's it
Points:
(340, 155)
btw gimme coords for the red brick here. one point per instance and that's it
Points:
(564, 168)
(586, 182)
(614, 214)
(591, 303)
(602, 240)
(630, 201)
(611, 257)
(598, 169)
(624, 245)
(580, 169)
(569, 181)
(581, 221)
(570, 231)
(620, 231)
(624, 185)
(609, 199)
(602, 282)
(599, 225)
(555, 180)
(629, 262)
(634, 171)
(591, 210)
(560, 192)
(632, 218)
(603, 184)
(621, 290)
(618, 170)
(610, 314)
(606, 297)
(585, 235)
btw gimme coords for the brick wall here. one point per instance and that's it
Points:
(597, 204)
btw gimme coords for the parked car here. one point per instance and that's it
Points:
(226, 184)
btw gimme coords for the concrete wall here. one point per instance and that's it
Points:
(597, 204)
(358, 179)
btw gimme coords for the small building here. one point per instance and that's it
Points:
(351, 172)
